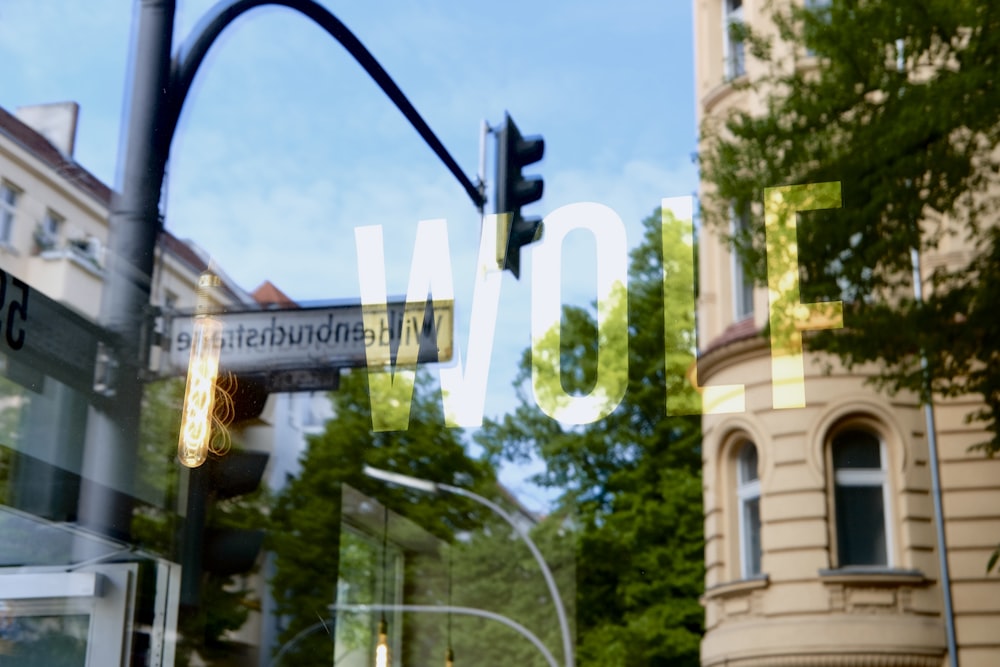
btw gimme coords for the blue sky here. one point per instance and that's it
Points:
(285, 145)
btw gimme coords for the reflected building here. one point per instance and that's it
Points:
(68, 595)
(819, 521)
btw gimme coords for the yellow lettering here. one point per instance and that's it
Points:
(678, 283)
(788, 316)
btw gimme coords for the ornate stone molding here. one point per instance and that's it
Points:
(736, 587)
(833, 660)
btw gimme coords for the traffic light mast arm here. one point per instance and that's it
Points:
(190, 55)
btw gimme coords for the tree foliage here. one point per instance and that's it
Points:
(901, 105)
(632, 479)
(493, 570)
(307, 517)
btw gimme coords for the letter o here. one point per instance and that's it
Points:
(612, 314)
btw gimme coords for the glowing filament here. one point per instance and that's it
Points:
(382, 648)
(203, 369)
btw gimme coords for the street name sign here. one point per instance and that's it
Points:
(310, 339)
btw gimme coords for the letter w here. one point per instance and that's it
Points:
(463, 393)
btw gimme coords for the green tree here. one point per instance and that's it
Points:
(900, 105)
(633, 479)
(308, 516)
(494, 570)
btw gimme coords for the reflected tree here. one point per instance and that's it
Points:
(307, 518)
(633, 479)
(902, 109)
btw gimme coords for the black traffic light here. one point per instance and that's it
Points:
(515, 190)
(209, 546)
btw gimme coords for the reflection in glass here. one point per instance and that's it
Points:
(43, 640)
(748, 492)
(859, 501)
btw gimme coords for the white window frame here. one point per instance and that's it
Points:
(747, 490)
(105, 593)
(868, 477)
(735, 65)
(49, 228)
(743, 307)
(9, 195)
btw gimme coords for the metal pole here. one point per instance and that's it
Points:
(484, 132)
(113, 425)
(949, 617)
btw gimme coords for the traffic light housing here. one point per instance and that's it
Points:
(514, 190)
(208, 547)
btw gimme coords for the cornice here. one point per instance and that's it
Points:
(732, 588)
(840, 659)
(731, 353)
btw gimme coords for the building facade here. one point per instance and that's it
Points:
(821, 546)
(67, 595)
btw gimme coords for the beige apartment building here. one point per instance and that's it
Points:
(53, 243)
(54, 219)
(821, 545)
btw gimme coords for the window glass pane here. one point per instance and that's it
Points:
(44, 641)
(583, 377)
(742, 278)
(748, 463)
(751, 537)
(734, 47)
(856, 449)
(860, 525)
(8, 202)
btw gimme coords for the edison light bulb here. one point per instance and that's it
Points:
(382, 648)
(203, 369)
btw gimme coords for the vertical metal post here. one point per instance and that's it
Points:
(484, 132)
(949, 616)
(109, 462)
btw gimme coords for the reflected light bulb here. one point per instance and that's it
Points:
(382, 648)
(203, 370)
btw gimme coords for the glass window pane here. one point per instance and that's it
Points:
(44, 641)
(751, 537)
(748, 463)
(856, 449)
(860, 525)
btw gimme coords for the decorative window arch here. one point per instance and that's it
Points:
(861, 501)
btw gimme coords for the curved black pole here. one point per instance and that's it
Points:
(156, 92)
(191, 54)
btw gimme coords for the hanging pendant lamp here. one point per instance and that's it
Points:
(382, 658)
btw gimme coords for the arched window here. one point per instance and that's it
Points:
(748, 495)
(860, 499)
